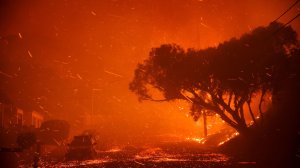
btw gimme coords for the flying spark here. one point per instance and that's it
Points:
(20, 35)
(78, 76)
(112, 73)
(29, 53)
(5, 74)
(93, 13)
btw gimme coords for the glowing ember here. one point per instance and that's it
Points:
(198, 140)
(82, 45)
(115, 149)
(227, 139)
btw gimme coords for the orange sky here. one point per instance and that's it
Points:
(101, 42)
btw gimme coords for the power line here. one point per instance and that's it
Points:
(287, 10)
(290, 21)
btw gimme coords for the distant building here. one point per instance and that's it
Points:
(11, 116)
(35, 119)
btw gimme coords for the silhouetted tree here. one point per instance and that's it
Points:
(221, 79)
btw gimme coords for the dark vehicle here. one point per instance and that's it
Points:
(81, 148)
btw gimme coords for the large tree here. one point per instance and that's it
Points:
(221, 79)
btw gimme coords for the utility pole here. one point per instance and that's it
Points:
(93, 101)
(204, 123)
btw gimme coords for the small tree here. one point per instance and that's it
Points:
(221, 79)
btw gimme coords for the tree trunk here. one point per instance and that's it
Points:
(251, 113)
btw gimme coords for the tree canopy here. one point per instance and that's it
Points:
(221, 79)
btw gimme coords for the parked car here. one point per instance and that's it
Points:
(81, 148)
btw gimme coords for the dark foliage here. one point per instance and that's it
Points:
(221, 79)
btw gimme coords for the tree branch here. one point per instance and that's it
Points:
(240, 106)
(229, 100)
(242, 117)
(227, 108)
(214, 108)
(250, 111)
